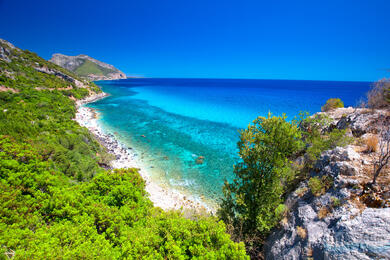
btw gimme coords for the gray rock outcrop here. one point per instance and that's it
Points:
(359, 120)
(5, 50)
(331, 231)
(336, 224)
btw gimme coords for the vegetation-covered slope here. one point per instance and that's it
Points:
(300, 183)
(87, 67)
(56, 202)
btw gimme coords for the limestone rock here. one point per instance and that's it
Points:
(359, 120)
(5, 50)
(339, 230)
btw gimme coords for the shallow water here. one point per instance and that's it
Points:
(170, 122)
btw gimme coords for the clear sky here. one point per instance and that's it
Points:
(279, 39)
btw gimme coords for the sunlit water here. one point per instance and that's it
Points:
(170, 122)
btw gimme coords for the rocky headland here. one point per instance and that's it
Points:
(350, 217)
(87, 67)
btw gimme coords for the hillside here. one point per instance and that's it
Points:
(59, 199)
(87, 67)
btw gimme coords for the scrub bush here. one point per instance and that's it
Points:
(379, 95)
(332, 104)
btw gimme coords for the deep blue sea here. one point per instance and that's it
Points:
(170, 122)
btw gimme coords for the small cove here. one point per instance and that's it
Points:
(169, 123)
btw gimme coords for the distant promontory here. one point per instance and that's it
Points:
(87, 67)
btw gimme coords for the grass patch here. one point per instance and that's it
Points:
(371, 144)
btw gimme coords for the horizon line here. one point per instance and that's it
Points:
(151, 77)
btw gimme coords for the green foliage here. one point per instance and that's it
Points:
(253, 200)
(88, 67)
(335, 202)
(331, 104)
(55, 200)
(317, 137)
(320, 143)
(319, 186)
(44, 118)
(44, 215)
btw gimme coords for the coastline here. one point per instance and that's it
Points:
(163, 197)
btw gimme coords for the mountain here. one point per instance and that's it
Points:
(87, 67)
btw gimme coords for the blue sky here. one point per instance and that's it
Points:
(326, 40)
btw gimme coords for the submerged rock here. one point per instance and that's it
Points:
(200, 160)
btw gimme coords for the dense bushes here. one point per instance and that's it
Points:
(331, 104)
(55, 200)
(43, 215)
(44, 118)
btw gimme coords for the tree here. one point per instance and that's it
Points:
(253, 201)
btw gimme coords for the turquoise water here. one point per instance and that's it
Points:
(170, 122)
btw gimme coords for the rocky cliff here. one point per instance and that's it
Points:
(88, 67)
(349, 219)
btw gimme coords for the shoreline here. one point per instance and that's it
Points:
(163, 197)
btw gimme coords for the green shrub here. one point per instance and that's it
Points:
(320, 143)
(253, 201)
(315, 186)
(331, 104)
(319, 186)
(335, 202)
(318, 139)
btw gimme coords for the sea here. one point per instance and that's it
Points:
(185, 131)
